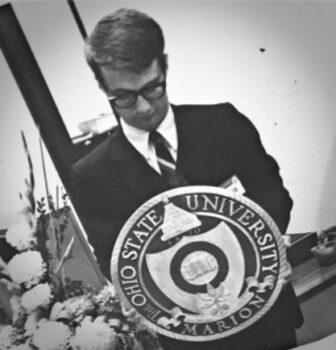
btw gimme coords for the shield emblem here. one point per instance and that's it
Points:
(203, 257)
(199, 263)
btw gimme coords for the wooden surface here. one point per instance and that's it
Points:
(319, 312)
(309, 275)
(315, 287)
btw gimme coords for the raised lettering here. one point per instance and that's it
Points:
(257, 227)
(257, 302)
(233, 319)
(129, 254)
(247, 215)
(270, 246)
(272, 255)
(245, 313)
(222, 204)
(262, 240)
(128, 272)
(272, 268)
(151, 312)
(232, 210)
(143, 223)
(192, 202)
(130, 290)
(129, 243)
(153, 218)
(207, 330)
(189, 329)
(222, 327)
(208, 203)
(138, 299)
(141, 235)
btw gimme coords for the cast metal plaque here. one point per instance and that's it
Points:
(199, 263)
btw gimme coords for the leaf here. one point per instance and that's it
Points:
(31, 183)
(26, 182)
(66, 254)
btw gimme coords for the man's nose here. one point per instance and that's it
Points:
(143, 105)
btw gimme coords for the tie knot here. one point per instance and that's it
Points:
(157, 138)
(161, 148)
(165, 160)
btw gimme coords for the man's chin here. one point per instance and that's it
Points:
(150, 124)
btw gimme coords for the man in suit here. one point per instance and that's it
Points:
(206, 145)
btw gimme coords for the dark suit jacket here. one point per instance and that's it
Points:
(214, 143)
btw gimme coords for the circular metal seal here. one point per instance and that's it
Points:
(199, 263)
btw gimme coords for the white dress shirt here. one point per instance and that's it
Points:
(140, 138)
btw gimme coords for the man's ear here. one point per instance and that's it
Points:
(98, 75)
(100, 84)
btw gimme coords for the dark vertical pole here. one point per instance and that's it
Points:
(35, 91)
(78, 19)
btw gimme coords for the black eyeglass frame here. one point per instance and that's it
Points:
(141, 92)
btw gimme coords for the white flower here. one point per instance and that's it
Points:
(51, 335)
(38, 296)
(95, 335)
(58, 311)
(32, 322)
(72, 309)
(27, 267)
(76, 306)
(21, 236)
(107, 292)
(7, 334)
(106, 298)
(18, 310)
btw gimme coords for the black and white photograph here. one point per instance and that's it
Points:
(167, 175)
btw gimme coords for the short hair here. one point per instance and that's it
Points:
(125, 40)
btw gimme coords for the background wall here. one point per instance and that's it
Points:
(273, 60)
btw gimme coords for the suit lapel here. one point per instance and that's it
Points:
(136, 173)
(192, 161)
(140, 177)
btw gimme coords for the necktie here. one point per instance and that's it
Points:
(165, 160)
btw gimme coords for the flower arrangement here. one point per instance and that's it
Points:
(51, 312)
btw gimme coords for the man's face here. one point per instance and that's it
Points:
(144, 114)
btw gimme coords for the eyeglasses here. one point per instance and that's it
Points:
(129, 98)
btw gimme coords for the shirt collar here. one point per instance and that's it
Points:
(139, 138)
(167, 129)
